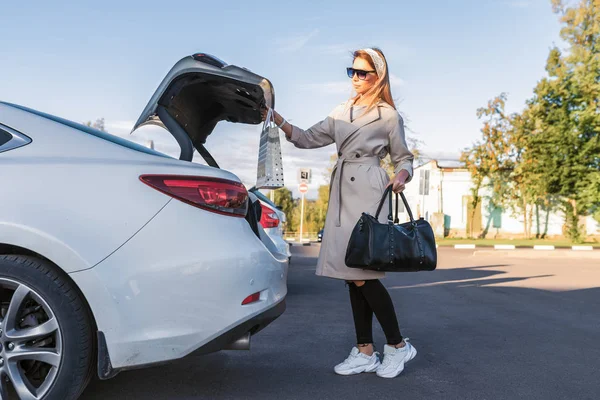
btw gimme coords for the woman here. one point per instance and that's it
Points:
(365, 129)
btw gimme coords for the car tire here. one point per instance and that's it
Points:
(36, 294)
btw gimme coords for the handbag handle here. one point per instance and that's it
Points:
(388, 192)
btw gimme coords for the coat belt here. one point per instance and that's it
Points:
(338, 171)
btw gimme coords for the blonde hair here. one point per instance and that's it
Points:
(381, 90)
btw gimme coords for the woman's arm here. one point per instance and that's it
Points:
(401, 156)
(319, 135)
(286, 128)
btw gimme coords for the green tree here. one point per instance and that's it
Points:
(329, 170)
(312, 218)
(492, 159)
(526, 175)
(283, 198)
(98, 124)
(566, 103)
(474, 160)
(321, 206)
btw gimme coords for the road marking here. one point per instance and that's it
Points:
(464, 246)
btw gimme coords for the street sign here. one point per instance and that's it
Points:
(302, 188)
(304, 175)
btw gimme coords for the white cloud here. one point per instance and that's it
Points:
(295, 43)
(441, 155)
(163, 141)
(235, 148)
(119, 126)
(335, 49)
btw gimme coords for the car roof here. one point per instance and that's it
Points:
(89, 130)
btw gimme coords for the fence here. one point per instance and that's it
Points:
(295, 236)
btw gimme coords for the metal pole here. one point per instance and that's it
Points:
(301, 217)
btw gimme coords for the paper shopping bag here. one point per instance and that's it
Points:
(270, 168)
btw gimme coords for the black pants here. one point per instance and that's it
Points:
(372, 297)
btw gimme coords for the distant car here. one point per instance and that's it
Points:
(273, 221)
(320, 235)
(114, 256)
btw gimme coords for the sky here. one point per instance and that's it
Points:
(88, 60)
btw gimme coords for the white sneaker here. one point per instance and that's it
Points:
(394, 359)
(358, 362)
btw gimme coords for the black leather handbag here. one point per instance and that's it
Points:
(392, 247)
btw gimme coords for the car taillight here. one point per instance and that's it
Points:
(251, 299)
(217, 195)
(268, 218)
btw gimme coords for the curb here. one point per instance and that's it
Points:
(464, 246)
(538, 247)
(582, 248)
(494, 247)
(513, 247)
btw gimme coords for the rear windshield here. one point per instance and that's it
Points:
(4, 137)
(263, 197)
(91, 131)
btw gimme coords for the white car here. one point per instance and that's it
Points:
(273, 222)
(115, 256)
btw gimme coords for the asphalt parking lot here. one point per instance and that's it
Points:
(487, 325)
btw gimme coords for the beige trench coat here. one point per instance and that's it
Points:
(357, 181)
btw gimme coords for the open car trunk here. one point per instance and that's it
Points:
(200, 91)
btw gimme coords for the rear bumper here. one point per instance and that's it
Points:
(252, 326)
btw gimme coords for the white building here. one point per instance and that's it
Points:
(441, 193)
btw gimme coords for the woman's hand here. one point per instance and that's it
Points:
(264, 112)
(399, 181)
(278, 119)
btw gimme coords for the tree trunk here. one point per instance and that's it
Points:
(530, 220)
(537, 220)
(524, 208)
(546, 223)
(572, 221)
(474, 203)
(472, 219)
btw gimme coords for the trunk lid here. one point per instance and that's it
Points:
(198, 92)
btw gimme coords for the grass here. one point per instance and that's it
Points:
(517, 242)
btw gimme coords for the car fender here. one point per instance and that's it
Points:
(43, 244)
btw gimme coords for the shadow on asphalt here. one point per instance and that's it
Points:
(475, 341)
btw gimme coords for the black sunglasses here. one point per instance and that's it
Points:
(362, 74)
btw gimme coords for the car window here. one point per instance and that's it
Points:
(263, 197)
(4, 137)
(91, 131)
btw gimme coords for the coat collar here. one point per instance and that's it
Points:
(347, 128)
